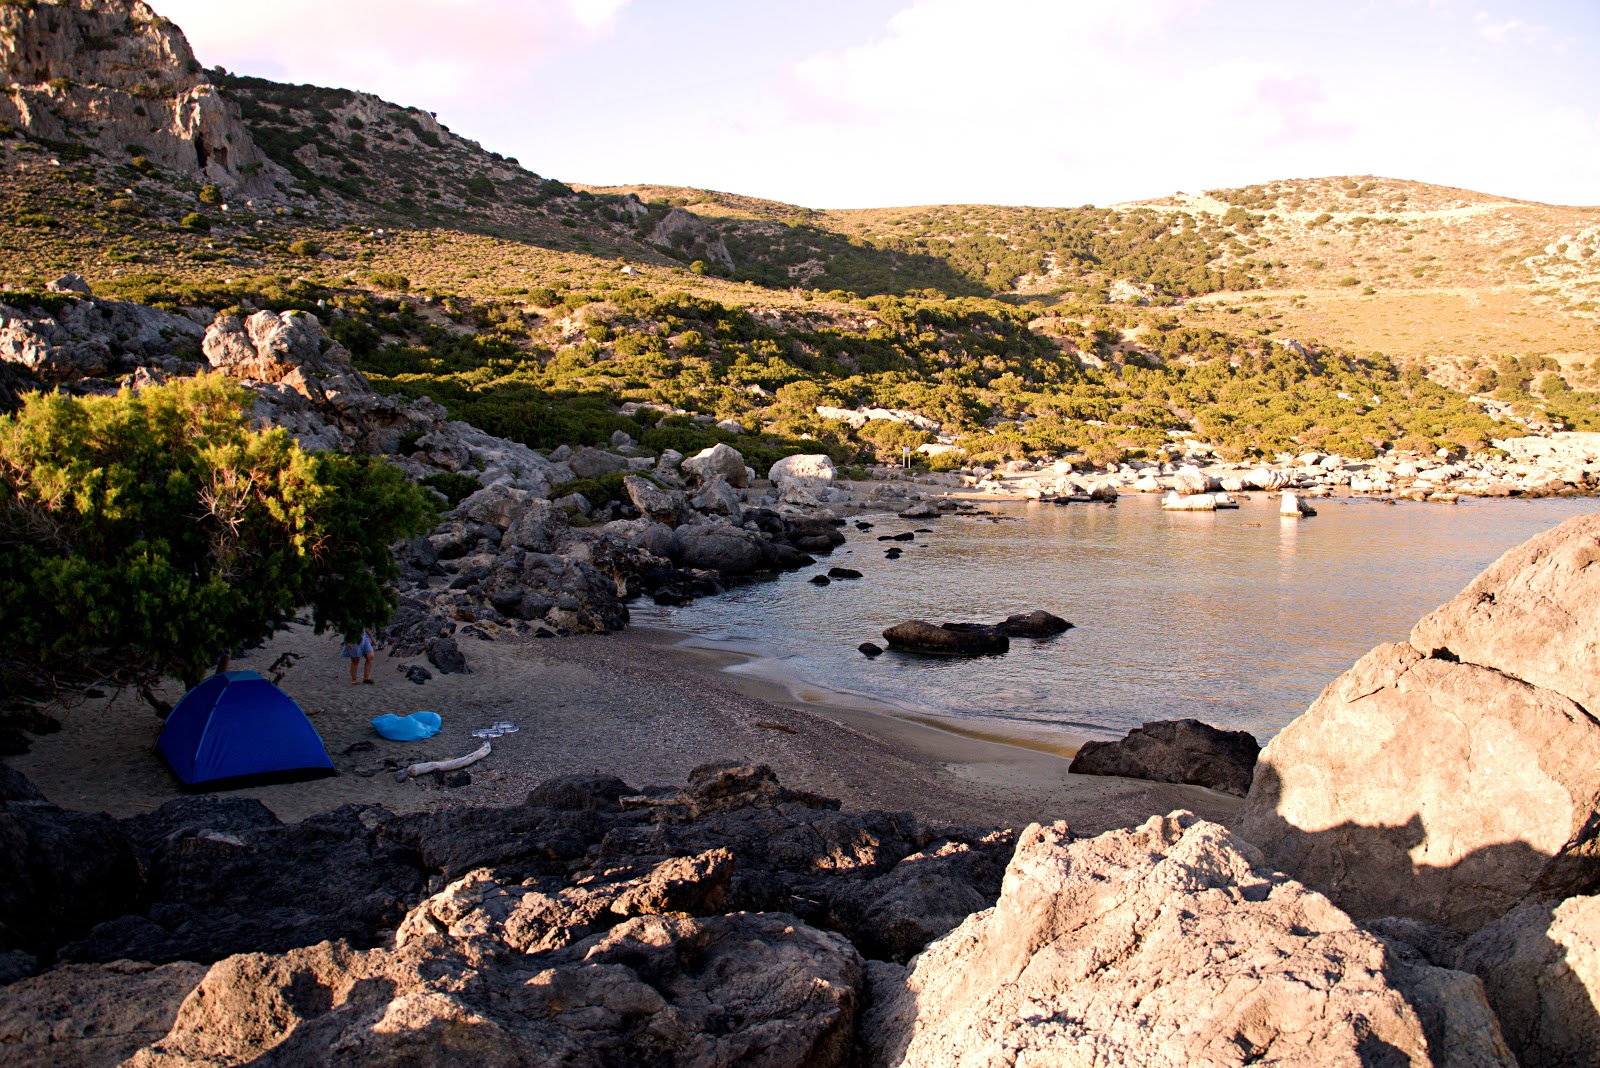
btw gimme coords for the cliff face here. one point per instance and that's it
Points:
(115, 76)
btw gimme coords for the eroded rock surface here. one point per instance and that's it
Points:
(1426, 788)
(1173, 945)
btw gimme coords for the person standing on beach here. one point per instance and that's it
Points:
(360, 650)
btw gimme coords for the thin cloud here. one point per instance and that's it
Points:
(1506, 30)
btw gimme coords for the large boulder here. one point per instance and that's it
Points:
(1540, 966)
(1191, 480)
(717, 497)
(804, 466)
(1532, 615)
(947, 639)
(288, 347)
(1425, 788)
(719, 461)
(1035, 624)
(590, 462)
(1167, 945)
(1176, 750)
(725, 549)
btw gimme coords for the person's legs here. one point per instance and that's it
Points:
(353, 680)
(366, 675)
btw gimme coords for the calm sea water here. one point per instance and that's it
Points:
(1237, 618)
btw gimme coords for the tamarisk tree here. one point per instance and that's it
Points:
(143, 533)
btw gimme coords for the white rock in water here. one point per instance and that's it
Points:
(1147, 484)
(1223, 500)
(1292, 504)
(1233, 484)
(1195, 502)
(1190, 480)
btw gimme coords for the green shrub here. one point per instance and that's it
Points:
(196, 222)
(304, 247)
(385, 280)
(177, 531)
(456, 487)
(210, 194)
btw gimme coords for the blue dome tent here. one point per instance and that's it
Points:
(237, 728)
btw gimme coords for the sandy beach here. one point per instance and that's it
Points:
(640, 705)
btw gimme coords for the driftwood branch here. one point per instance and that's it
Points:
(443, 765)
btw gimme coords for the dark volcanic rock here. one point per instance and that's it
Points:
(947, 639)
(1038, 624)
(821, 580)
(843, 573)
(870, 649)
(444, 654)
(1176, 750)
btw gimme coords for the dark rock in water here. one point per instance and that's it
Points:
(947, 639)
(894, 554)
(418, 674)
(444, 654)
(1039, 624)
(821, 580)
(922, 530)
(843, 573)
(922, 510)
(863, 526)
(907, 536)
(868, 649)
(1176, 750)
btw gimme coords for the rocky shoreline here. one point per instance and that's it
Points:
(1412, 880)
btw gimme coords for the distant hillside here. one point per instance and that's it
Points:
(1294, 314)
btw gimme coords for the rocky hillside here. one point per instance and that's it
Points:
(1412, 881)
(1282, 317)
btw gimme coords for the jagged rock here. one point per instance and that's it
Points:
(1540, 967)
(1035, 624)
(922, 510)
(1459, 789)
(717, 497)
(1170, 944)
(288, 348)
(654, 503)
(70, 283)
(804, 466)
(94, 337)
(538, 525)
(1530, 615)
(445, 654)
(1176, 750)
(719, 461)
(947, 639)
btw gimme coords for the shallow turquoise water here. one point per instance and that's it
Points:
(1237, 618)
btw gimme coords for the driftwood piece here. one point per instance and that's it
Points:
(443, 765)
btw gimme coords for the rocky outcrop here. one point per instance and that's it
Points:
(590, 925)
(88, 339)
(117, 76)
(1176, 750)
(947, 639)
(1172, 944)
(803, 466)
(1450, 787)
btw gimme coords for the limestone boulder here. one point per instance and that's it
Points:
(1191, 480)
(1540, 966)
(1442, 791)
(590, 462)
(1532, 615)
(717, 497)
(804, 466)
(719, 461)
(1176, 750)
(1170, 944)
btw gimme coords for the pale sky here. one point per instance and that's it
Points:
(864, 103)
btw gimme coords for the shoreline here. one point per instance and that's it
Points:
(637, 705)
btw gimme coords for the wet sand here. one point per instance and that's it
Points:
(639, 705)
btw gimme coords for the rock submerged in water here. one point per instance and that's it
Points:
(1037, 624)
(947, 639)
(869, 649)
(1176, 750)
